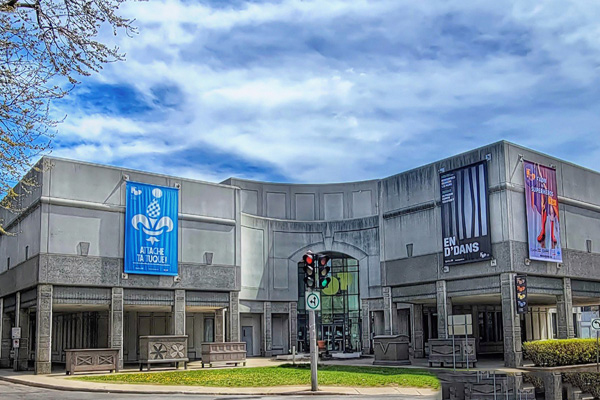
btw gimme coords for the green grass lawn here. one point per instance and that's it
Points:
(278, 376)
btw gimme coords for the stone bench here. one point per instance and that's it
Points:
(92, 360)
(226, 352)
(163, 349)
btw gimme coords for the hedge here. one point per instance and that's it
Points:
(555, 353)
(586, 381)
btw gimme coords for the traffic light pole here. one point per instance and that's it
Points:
(314, 352)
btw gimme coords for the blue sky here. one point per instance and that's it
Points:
(213, 89)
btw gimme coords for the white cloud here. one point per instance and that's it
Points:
(379, 86)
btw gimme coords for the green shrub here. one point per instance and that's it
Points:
(554, 353)
(586, 381)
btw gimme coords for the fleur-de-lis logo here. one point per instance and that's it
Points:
(150, 223)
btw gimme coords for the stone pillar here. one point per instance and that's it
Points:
(366, 326)
(220, 325)
(267, 330)
(293, 322)
(116, 322)
(553, 387)
(179, 313)
(443, 309)
(564, 312)
(43, 348)
(416, 312)
(513, 356)
(388, 313)
(234, 317)
(23, 358)
(5, 341)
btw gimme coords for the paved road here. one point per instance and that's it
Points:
(10, 391)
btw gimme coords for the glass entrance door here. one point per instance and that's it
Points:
(333, 336)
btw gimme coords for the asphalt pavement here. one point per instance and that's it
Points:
(11, 391)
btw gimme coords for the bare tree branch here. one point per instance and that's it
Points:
(46, 46)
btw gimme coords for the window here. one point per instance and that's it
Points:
(490, 326)
(26, 252)
(8, 262)
(209, 330)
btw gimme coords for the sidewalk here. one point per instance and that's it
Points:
(60, 382)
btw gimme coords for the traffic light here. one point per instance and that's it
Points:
(324, 278)
(310, 270)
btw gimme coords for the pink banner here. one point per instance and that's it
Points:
(543, 226)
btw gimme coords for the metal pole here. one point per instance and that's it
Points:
(314, 352)
(494, 385)
(294, 355)
(597, 350)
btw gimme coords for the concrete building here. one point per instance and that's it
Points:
(240, 247)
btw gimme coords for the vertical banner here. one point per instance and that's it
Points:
(543, 227)
(521, 293)
(151, 229)
(465, 215)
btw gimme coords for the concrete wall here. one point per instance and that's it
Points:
(75, 232)
(411, 216)
(308, 202)
(579, 207)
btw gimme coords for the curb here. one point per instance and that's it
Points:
(167, 392)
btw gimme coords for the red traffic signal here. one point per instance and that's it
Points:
(310, 279)
(309, 258)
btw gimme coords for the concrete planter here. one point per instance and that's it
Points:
(227, 352)
(163, 349)
(391, 350)
(441, 352)
(92, 360)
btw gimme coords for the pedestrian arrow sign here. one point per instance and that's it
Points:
(313, 301)
(596, 324)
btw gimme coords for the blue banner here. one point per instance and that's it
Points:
(151, 229)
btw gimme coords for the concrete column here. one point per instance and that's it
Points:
(179, 313)
(220, 325)
(293, 322)
(23, 358)
(267, 330)
(443, 309)
(416, 312)
(564, 312)
(553, 387)
(43, 348)
(5, 341)
(116, 322)
(366, 326)
(388, 313)
(513, 356)
(234, 317)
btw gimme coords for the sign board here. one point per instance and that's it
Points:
(458, 323)
(313, 301)
(596, 324)
(151, 218)
(541, 199)
(15, 333)
(465, 215)
(15, 343)
(521, 293)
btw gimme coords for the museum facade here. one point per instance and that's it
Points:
(406, 251)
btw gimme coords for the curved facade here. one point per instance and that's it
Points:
(240, 244)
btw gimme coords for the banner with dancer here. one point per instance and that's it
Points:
(543, 226)
(465, 215)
